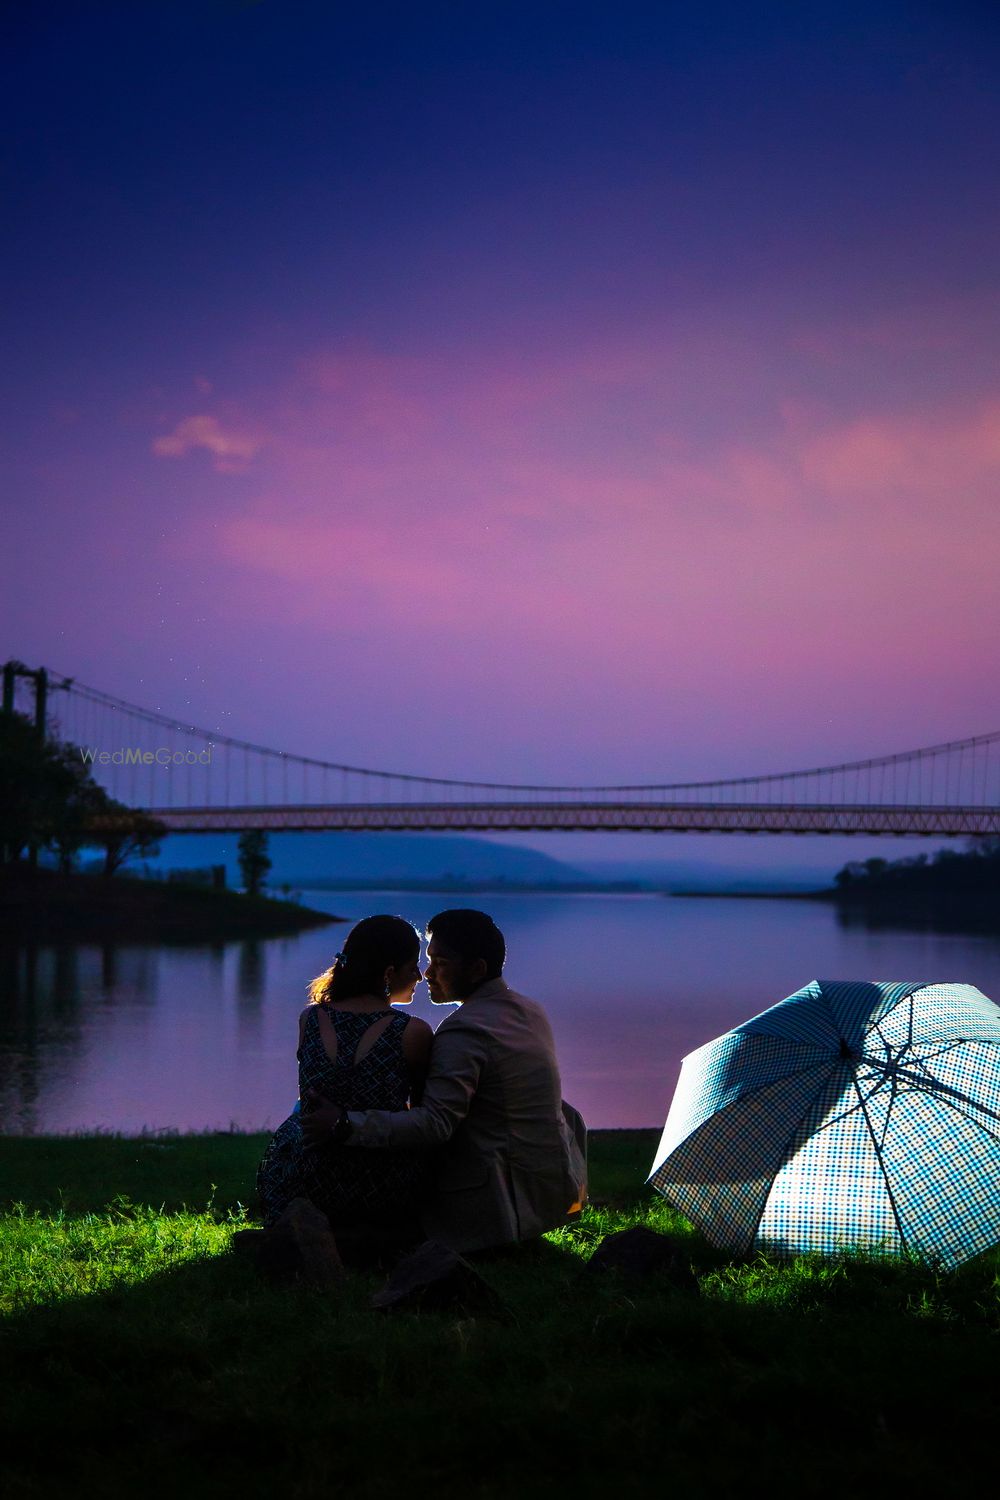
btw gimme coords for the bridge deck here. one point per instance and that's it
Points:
(509, 817)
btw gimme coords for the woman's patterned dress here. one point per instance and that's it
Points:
(350, 1185)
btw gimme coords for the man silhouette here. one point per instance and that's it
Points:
(510, 1156)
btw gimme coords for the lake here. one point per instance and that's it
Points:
(124, 1038)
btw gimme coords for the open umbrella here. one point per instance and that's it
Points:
(849, 1115)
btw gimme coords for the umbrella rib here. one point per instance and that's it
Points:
(877, 1088)
(893, 1092)
(879, 1158)
(962, 1041)
(849, 1110)
(950, 1104)
(835, 1120)
(930, 1085)
(877, 1025)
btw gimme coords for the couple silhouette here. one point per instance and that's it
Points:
(402, 1134)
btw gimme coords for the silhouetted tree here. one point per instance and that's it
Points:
(129, 833)
(85, 801)
(946, 877)
(46, 791)
(49, 799)
(253, 860)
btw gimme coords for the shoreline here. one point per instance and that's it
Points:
(757, 895)
(41, 905)
(958, 912)
(480, 888)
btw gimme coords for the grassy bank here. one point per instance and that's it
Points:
(138, 1355)
(43, 905)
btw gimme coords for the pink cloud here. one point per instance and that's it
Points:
(605, 542)
(232, 451)
(417, 449)
(931, 453)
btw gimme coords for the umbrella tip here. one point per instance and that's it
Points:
(847, 1052)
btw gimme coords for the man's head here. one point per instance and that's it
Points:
(464, 950)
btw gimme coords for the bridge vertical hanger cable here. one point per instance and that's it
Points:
(128, 770)
(961, 775)
(986, 772)
(925, 792)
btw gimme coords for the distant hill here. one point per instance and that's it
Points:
(301, 859)
(446, 860)
(427, 858)
(707, 875)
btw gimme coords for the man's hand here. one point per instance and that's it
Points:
(319, 1119)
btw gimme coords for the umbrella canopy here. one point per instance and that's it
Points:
(849, 1115)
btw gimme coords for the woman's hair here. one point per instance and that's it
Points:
(371, 947)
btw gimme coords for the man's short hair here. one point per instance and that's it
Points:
(471, 935)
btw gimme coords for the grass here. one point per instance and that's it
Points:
(138, 1356)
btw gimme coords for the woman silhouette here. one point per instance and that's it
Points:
(355, 1050)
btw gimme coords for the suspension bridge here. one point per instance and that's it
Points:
(201, 781)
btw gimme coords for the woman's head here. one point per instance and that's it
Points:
(380, 957)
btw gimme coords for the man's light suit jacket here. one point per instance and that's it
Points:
(512, 1158)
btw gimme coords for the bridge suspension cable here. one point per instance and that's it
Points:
(218, 781)
(973, 745)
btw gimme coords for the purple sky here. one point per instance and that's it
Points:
(570, 393)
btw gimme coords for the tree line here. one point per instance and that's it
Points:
(950, 873)
(51, 804)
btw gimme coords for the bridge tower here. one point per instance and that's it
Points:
(14, 669)
(11, 671)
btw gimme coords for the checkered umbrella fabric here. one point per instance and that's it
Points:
(851, 1115)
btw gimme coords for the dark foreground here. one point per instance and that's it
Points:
(138, 1356)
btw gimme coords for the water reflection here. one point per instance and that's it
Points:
(125, 1037)
(49, 996)
(931, 920)
(252, 974)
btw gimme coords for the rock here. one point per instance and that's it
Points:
(434, 1278)
(643, 1252)
(272, 1252)
(300, 1244)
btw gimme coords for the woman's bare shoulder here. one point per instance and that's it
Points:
(417, 1027)
(417, 1038)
